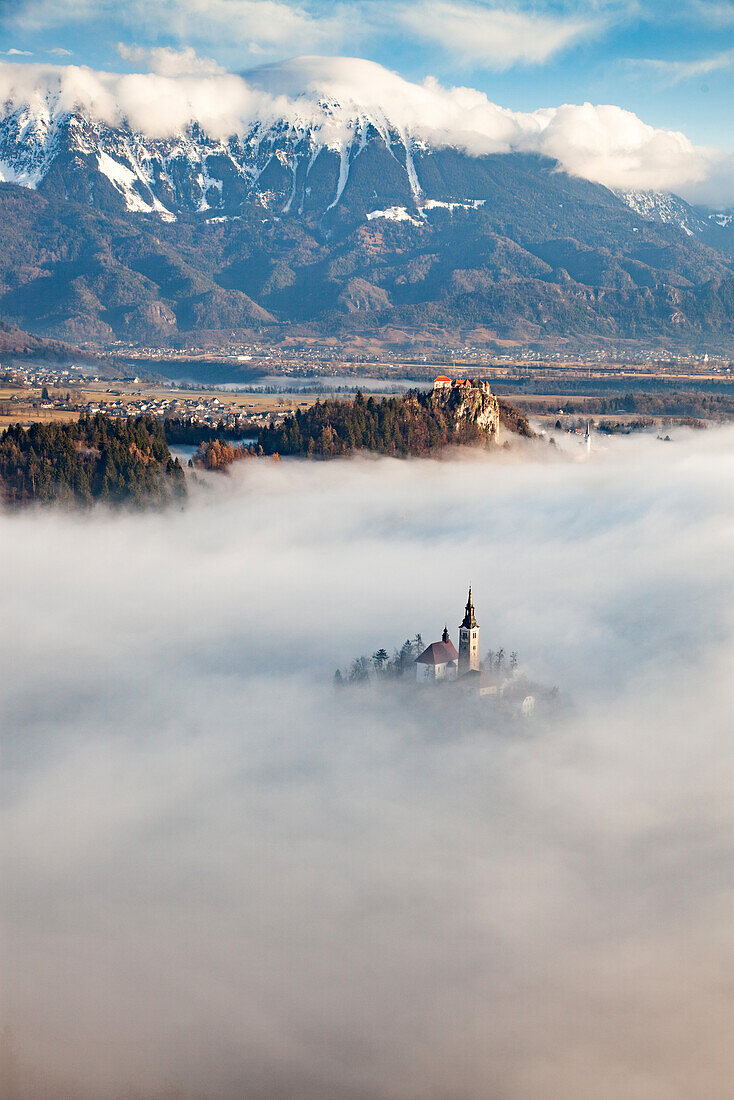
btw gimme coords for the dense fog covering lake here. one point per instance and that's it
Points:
(223, 878)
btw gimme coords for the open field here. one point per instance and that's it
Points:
(23, 404)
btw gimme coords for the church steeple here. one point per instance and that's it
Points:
(470, 621)
(469, 640)
(445, 637)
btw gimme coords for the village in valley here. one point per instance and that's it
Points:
(497, 682)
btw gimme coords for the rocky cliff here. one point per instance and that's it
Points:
(469, 403)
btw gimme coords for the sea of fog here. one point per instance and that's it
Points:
(224, 879)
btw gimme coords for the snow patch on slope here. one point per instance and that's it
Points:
(437, 204)
(125, 182)
(343, 175)
(22, 175)
(393, 214)
(415, 186)
(207, 183)
(665, 208)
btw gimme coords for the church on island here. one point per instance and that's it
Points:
(440, 660)
(441, 663)
(501, 683)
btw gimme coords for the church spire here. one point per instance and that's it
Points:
(470, 621)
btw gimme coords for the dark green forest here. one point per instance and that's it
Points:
(400, 426)
(96, 458)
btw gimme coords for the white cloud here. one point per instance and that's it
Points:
(674, 72)
(12, 52)
(489, 37)
(168, 62)
(261, 24)
(602, 143)
(713, 13)
(267, 23)
(216, 870)
(612, 146)
(35, 15)
(60, 51)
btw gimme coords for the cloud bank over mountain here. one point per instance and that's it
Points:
(603, 143)
(217, 870)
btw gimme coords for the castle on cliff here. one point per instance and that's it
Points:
(441, 661)
(461, 385)
(469, 402)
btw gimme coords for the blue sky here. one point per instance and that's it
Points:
(673, 65)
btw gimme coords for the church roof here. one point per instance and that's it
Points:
(437, 653)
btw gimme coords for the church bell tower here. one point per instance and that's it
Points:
(468, 640)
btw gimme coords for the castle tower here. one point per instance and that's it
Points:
(468, 640)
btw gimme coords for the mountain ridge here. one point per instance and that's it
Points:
(107, 234)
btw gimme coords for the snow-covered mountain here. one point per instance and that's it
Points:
(291, 137)
(288, 163)
(280, 167)
(334, 195)
(284, 167)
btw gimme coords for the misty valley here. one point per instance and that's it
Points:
(222, 868)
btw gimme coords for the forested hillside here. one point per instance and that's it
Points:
(96, 458)
(511, 249)
(416, 424)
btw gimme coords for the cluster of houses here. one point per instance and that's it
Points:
(206, 410)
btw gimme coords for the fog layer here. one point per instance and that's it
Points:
(223, 878)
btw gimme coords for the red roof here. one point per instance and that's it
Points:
(441, 378)
(438, 653)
